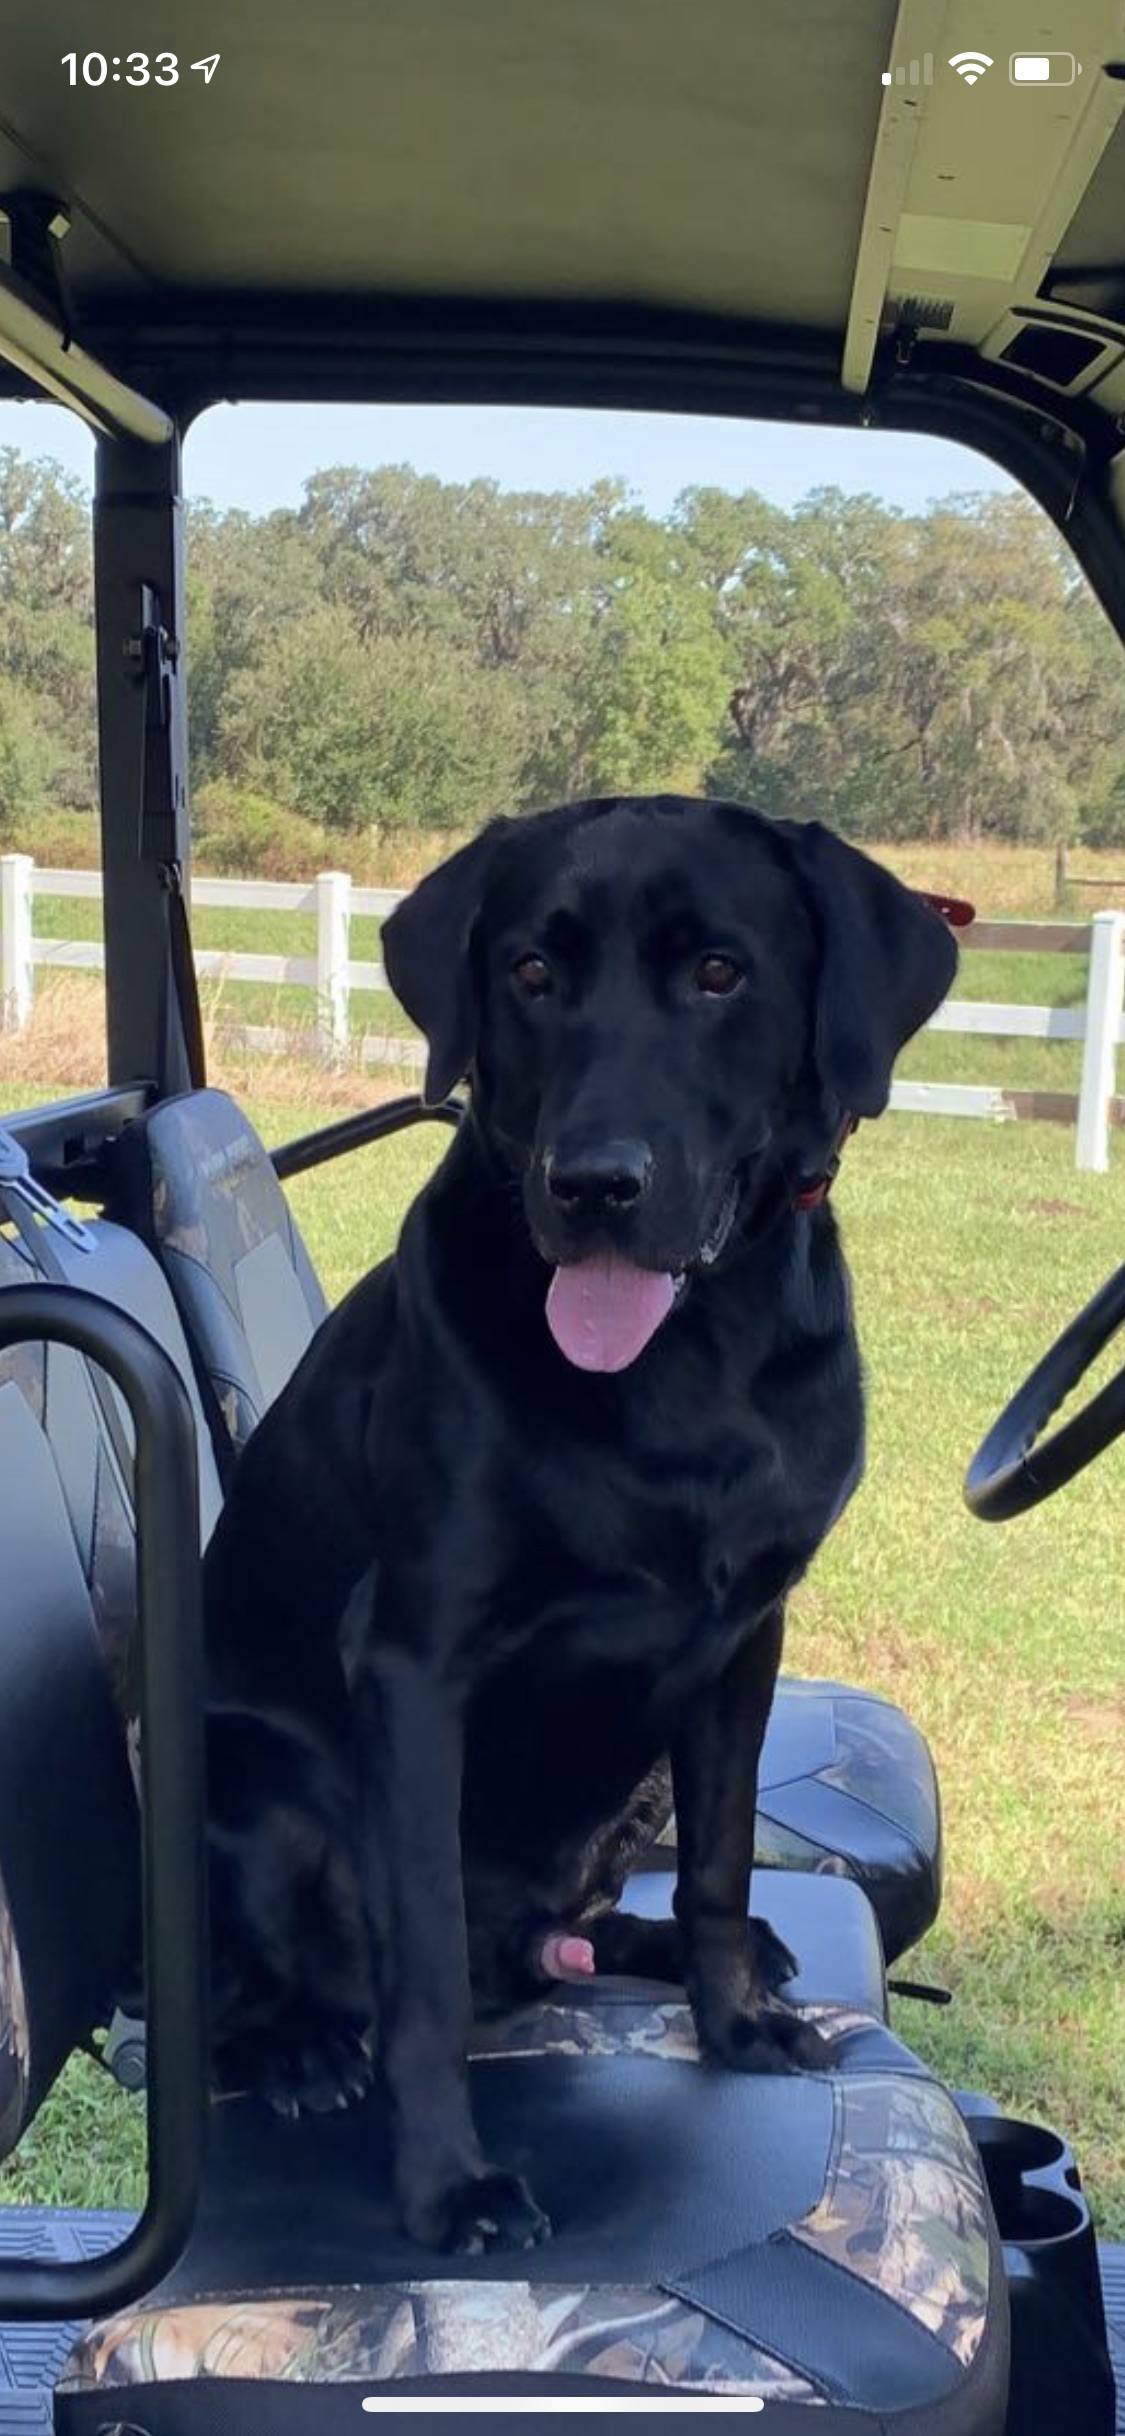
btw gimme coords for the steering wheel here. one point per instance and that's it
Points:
(1009, 1472)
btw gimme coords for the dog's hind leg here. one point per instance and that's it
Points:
(654, 1949)
(632, 1948)
(623, 1945)
(292, 1994)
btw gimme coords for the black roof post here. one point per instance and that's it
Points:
(142, 718)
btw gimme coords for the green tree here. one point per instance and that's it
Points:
(402, 649)
(27, 759)
(248, 577)
(46, 619)
(395, 729)
(656, 669)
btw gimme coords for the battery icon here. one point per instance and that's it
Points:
(1043, 68)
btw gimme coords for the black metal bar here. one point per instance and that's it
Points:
(139, 578)
(200, 349)
(172, 1778)
(351, 1132)
(66, 1140)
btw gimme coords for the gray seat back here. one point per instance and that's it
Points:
(68, 1841)
(69, 1880)
(98, 1499)
(194, 1180)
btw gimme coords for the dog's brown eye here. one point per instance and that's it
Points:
(532, 975)
(717, 976)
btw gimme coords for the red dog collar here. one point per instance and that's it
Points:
(810, 1191)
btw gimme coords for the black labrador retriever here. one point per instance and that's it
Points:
(521, 1527)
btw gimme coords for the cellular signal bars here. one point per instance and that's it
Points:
(919, 72)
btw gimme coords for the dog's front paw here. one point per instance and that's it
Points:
(492, 2210)
(773, 1961)
(307, 2068)
(329, 2069)
(771, 2039)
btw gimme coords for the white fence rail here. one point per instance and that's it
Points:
(333, 974)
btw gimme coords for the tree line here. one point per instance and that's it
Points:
(404, 652)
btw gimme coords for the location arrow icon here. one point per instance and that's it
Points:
(208, 65)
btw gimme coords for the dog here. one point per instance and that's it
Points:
(511, 1550)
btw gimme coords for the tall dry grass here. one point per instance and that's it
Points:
(1002, 879)
(63, 1046)
(999, 879)
(1005, 880)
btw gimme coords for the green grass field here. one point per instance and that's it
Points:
(970, 1244)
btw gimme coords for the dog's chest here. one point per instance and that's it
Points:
(648, 1557)
(676, 1529)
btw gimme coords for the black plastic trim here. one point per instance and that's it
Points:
(351, 1132)
(67, 1140)
(140, 620)
(172, 1836)
(631, 358)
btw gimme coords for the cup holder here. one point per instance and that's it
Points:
(1030, 2147)
(1060, 2375)
(1032, 2181)
(1041, 2216)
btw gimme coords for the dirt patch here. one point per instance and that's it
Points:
(881, 1652)
(1057, 1209)
(969, 1306)
(1100, 1720)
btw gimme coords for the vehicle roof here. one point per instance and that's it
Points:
(627, 201)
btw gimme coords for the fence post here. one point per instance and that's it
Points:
(333, 916)
(17, 981)
(1105, 990)
(1061, 873)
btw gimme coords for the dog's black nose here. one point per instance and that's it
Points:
(601, 1176)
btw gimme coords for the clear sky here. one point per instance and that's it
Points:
(258, 457)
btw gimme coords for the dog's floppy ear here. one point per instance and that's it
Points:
(425, 946)
(888, 961)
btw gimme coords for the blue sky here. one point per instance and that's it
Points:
(258, 457)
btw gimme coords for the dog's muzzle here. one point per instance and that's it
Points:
(603, 1310)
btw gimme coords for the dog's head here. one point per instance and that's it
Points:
(668, 1008)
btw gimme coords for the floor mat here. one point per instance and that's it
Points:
(31, 2356)
(1111, 2259)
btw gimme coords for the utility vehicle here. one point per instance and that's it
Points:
(802, 213)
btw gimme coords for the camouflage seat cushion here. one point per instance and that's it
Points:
(847, 1784)
(847, 1788)
(821, 2242)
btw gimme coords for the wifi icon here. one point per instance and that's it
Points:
(970, 65)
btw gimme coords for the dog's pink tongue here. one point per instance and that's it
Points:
(602, 1312)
